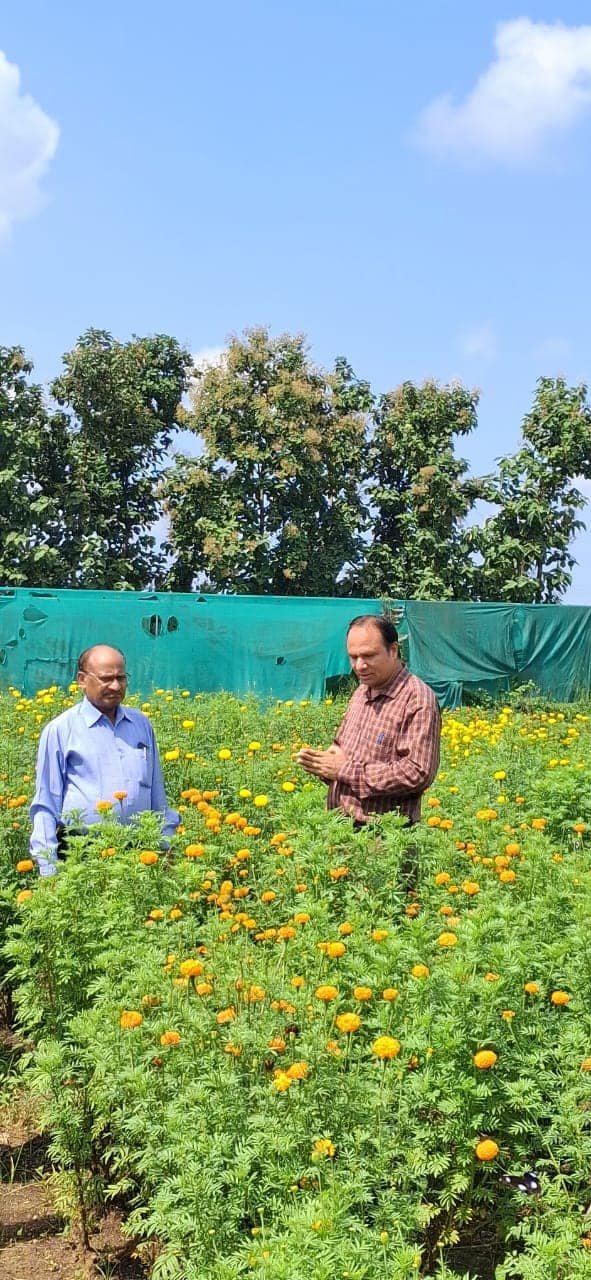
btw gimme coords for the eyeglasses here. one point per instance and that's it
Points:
(115, 679)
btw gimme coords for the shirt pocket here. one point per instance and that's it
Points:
(139, 766)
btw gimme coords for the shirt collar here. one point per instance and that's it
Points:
(91, 714)
(390, 689)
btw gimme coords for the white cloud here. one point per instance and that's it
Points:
(538, 84)
(207, 357)
(479, 342)
(28, 141)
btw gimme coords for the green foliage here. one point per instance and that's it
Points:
(420, 493)
(525, 545)
(273, 503)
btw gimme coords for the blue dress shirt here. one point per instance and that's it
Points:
(84, 757)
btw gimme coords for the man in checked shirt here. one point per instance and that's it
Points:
(386, 749)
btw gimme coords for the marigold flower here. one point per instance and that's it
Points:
(538, 824)
(326, 992)
(447, 939)
(298, 1071)
(148, 857)
(288, 786)
(491, 977)
(130, 1018)
(25, 864)
(225, 1015)
(560, 997)
(175, 913)
(362, 993)
(335, 950)
(255, 993)
(507, 877)
(348, 1022)
(338, 873)
(254, 746)
(194, 851)
(500, 775)
(345, 928)
(156, 914)
(170, 1037)
(323, 1147)
(442, 877)
(484, 1059)
(512, 849)
(486, 1149)
(579, 828)
(191, 968)
(120, 795)
(378, 935)
(471, 887)
(390, 993)
(297, 981)
(333, 1046)
(508, 1014)
(531, 988)
(277, 1044)
(203, 988)
(385, 1047)
(23, 896)
(420, 971)
(108, 853)
(285, 932)
(150, 1001)
(268, 895)
(282, 1082)
(233, 1049)
(446, 910)
(172, 755)
(261, 801)
(224, 753)
(586, 1064)
(103, 806)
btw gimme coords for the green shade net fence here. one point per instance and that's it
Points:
(288, 647)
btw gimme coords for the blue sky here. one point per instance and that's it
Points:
(409, 186)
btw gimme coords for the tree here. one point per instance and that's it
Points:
(122, 401)
(34, 462)
(273, 504)
(524, 546)
(419, 493)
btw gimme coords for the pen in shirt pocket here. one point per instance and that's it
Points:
(141, 746)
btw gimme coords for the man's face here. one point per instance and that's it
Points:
(372, 661)
(104, 681)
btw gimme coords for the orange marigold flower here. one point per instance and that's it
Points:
(385, 1047)
(286, 932)
(420, 971)
(191, 968)
(23, 896)
(268, 895)
(586, 1064)
(507, 877)
(148, 857)
(203, 988)
(442, 877)
(378, 935)
(447, 939)
(233, 1049)
(560, 997)
(538, 824)
(362, 993)
(512, 849)
(531, 988)
(301, 917)
(579, 828)
(484, 1059)
(194, 851)
(486, 1149)
(338, 873)
(277, 1044)
(333, 1046)
(491, 977)
(120, 795)
(170, 1037)
(25, 864)
(390, 993)
(508, 1014)
(103, 806)
(326, 992)
(225, 1015)
(108, 853)
(298, 1070)
(297, 981)
(335, 950)
(348, 1022)
(323, 1147)
(130, 1018)
(345, 928)
(471, 887)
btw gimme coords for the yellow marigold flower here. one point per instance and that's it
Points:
(560, 997)
(269, 895)
(508, 1014)
(446, 910)
(484, 1059)
(447, 940)
(500, 775)
(156, 914)
(225, 1015)
(302, 917)
(486, 1149)
(338, 873)
(297, 981)
(224, 753)
(420, 971)
(471, 887)
(326, 992)
(25, 864)
(434, 821)
(348, 1022)
(538, 824)
(586, 1064)
(433, 802)
(390, 993)
(508, 876)
(378, 935)
(203, 988)
(233, 1049)
(175, 913)
(170, 1037)
(23, 896)
(512, 849)
(385, 1047)
(335, 950)
(103, 806)
(130, 1018)
(282, 1082)
(194, 851)
(120, 795)
(261, 801)
(531, 988)
(108, 853)
(288, 786)
(579, 828)
(188, 724)
(298, 1071)
(254, 746)
(172, 755)
(191, 968)
(286, 932)
(442, 877)
(148, 857)
(345, 928)
(362, 993)
(323, 1147)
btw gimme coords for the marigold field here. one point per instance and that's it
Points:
(298, 1052)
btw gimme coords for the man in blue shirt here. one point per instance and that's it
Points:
(91, 752)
